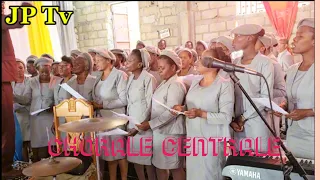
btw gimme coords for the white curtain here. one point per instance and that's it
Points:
(54, 35)
(19, 37)
(66, 32)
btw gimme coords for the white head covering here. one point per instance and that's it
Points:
(153, 49)
(91, 50)
(55, 62)
(19, 60)
(140, 42)
(203, 43)
(43, 55)
(43, 61)
(76, 52)
(184, 49)
(106, 54)
(247, 29)
(121, 52)
(87, 57)
(173, 56)
(194, 54)
(226, 41)
(178, 48)
(268, 41)
(31, 58)
(306, 22)
(145, 56)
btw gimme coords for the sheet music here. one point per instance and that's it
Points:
(130, 119)
(113, 132)
(38, 111)
(74, 93)
(265, 102)
(177, 112)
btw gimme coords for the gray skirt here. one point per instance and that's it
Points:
(162, 161)
(139, 148)
(300, 141)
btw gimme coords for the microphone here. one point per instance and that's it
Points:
(227, 67)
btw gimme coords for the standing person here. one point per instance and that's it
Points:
(140, 88)
(247, 123)
(164, 124)
(213, 43)
(30, 65)
(200, 47)
(22, 112)
(55, 68)
(9, 73)
(189, 45)
(209, 110)
(65, 69)
(300, 93)
(39, 93)
(93, 53)
(225, 42)
(153, 64)
(109, 94)
(186, 57)
(285, 58)
(140, 45)
(47, 56)
(75, 53)
(264, 46)
(121, 58)
(84, 81)
(162, 44)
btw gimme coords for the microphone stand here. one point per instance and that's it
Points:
(292, 160)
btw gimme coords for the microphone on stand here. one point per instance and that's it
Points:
(228, 67)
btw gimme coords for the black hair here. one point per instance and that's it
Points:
(67, 60)
(137, 53)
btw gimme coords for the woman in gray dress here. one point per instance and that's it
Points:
(187, 67)
(39, 93)
(153, 64)
(300, 93)
(109, 94)
(140, 88)
(247, 123)
(22, 111)
(164, 124)
(84, 81)
(209, 110)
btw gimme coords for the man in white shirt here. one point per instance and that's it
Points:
(285, 58)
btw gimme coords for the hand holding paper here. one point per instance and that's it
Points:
(172, 110)
(38, 111)
(265, 102)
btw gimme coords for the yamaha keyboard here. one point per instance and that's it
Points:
(263, 167)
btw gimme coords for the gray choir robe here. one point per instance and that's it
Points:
(22, 111)
(157, 76)
(41, 96)
(139, 97)
(217, 100)
(88, 87)
(256, 87)
(170, 92)
(60, 94)
(112, 94)
(300, 94)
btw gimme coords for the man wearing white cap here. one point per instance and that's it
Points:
(264, 46)
(109, 94)
(154, 54)
(285, 58)
(121, 58)
(39, 93)
(92, 52)
(300, 93)
(247, 123)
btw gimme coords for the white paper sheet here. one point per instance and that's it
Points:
(265, 102)
(130, 119)
(38, 111)
(74, 93)
(177, 112)
(113, 132)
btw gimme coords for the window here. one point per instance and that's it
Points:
(252, 7)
